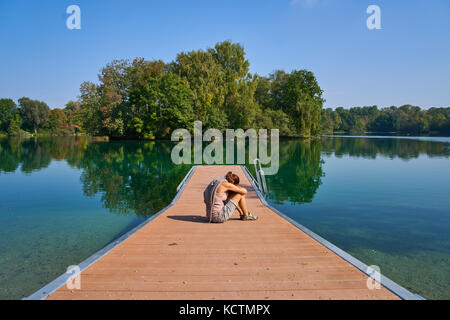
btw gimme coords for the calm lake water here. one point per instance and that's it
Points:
(383, 200)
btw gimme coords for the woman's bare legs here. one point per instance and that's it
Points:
(240, 211)
(239, 199)
(230, 195)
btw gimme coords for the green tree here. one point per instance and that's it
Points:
(206, 80)
(142, 114)
(72, 110)
(239, 89)
(148, 99)
(58, 122)
(175, 104)
(113, 90)
(382, 123)
(407, 119)
(327, 121)
(8, 112)
(300, 96)
(34, 113)
(14, 125)
(275, 119)
(89, 113)
(359, 126)
(262, 93)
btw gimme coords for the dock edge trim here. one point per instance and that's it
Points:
(384, 281)
(56, 284)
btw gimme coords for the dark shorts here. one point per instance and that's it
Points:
(226, 212)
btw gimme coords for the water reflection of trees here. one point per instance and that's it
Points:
(132, 177)
(392, 148)
(300, 172)
(139, 176)
(28, 154)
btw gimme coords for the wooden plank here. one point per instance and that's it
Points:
(181, 256)
(332, 294)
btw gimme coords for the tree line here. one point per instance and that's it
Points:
(32, 116)
(149, 99)
(407, 119)
(143, 99)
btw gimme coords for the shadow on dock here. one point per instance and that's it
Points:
(199, 219)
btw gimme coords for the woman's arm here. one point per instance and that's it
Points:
(231, 187)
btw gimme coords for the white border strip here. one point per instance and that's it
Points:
(386, 282)
(62, 279)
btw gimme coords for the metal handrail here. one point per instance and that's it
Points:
(184, 179)
(261, 178)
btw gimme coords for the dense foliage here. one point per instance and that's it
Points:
(149, 99)
(406, 119)
(142, 99)
(32, 116)
(10, 120)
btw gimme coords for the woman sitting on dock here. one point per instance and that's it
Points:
(226, 196)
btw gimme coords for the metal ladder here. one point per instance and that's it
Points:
(261, 178)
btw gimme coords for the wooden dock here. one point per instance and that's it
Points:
(178, 255)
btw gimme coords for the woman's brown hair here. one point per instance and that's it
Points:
(232, 178)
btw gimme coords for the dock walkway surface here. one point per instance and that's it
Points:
(179, 255)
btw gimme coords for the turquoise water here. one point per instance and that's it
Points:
(384, 200)
(62, 199)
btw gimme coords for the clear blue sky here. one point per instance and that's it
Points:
(407, 61)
